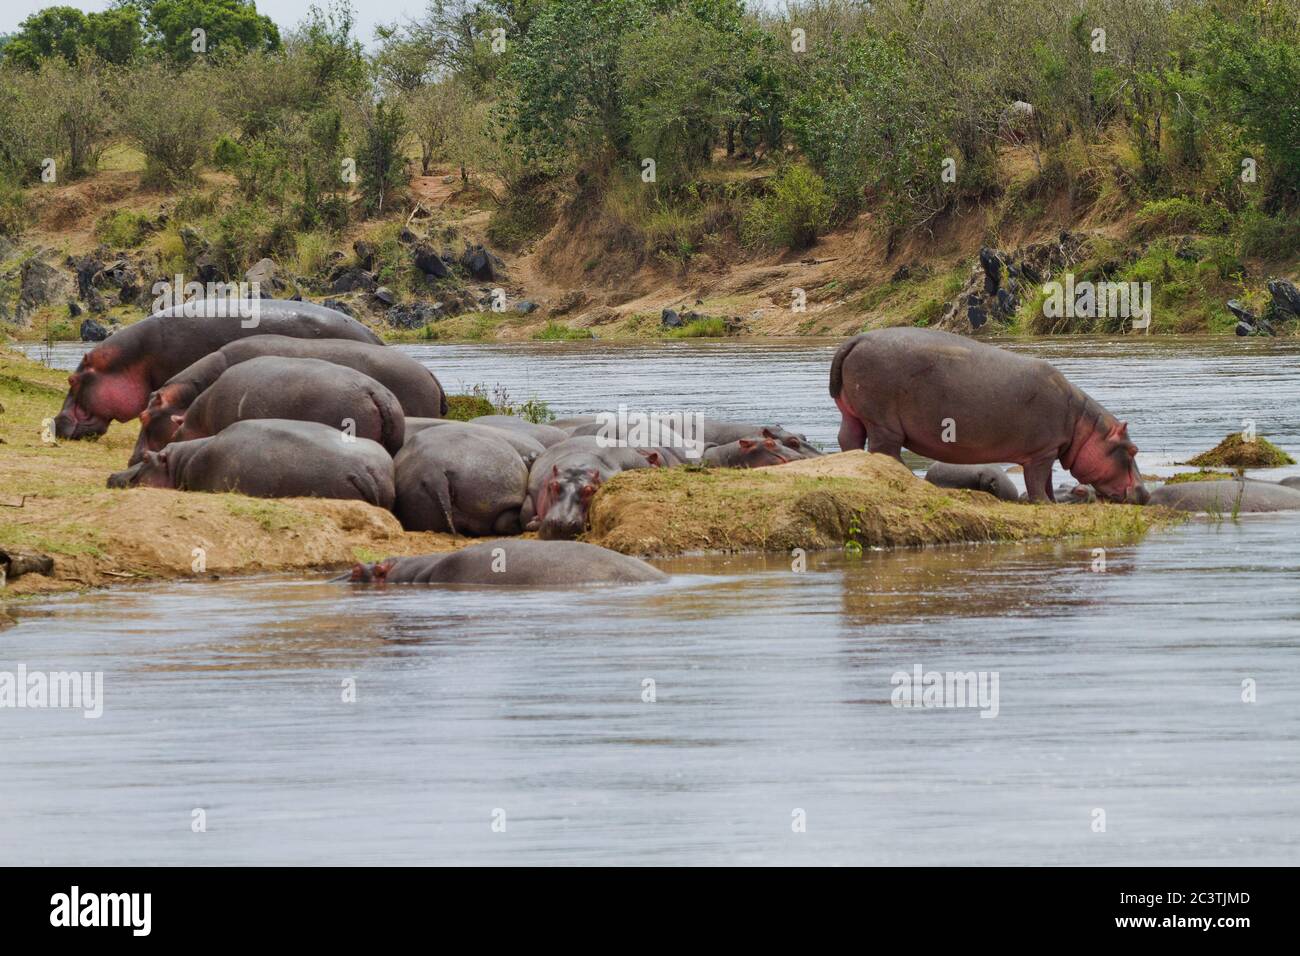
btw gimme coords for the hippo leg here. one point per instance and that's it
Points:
(507, 522)
(853, 433)
(883, 442)
(1038, 480)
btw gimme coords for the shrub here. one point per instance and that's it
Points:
(122, 229)
(795, 211)
(168, 115)
(1166, 216)
(1269, 237)
(559, 332)
(13, 208)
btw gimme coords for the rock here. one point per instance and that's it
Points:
(481, 264)
(15, 564)
(407, 237)
(429, 262)
(669, 319)
(525, 306)
(265, 277)
(414, 316)
(193, 242)
(339, 306)
(977, 315)
(991, 263)
(95, 302)
(40, 285)
(1244, 329)
(118, 277)
(365, 254)
(86, 268)
(92, 331)
(351, 279)
(1007, 303)
(74, 308)
(385, 295)
(1286, 298)
(207, 267)
(1241, 312)
(574, 299)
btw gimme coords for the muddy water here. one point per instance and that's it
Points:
(1119, 690)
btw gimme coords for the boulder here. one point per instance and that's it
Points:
(365, 254)
(482, 264)
(1286, 298)
(385, 296)
(339, 306)
(525, 306)
(40, 285)
(429, 262)
(92, 331)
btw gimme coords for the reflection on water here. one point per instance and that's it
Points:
(1119, 690)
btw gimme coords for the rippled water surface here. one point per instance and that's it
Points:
(1119, 690)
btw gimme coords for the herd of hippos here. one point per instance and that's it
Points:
(307, 401)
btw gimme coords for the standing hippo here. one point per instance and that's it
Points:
(301, 389)
(417, 389)
(750, 453)
(527, 448)
(115, 378)
(547, 435)
(960, 401)
(464, 480)
(989, 478)
(270, 458)
(1232, 496)
(562, 481)
(517, 563)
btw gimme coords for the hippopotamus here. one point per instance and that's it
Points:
(527, 448)
(270, 458)
(466, 481)
(547, 435)
(750, 453)
(1292, 482)
(959, 401)
(661, 445)
(988, 478)
(301, 389)
(115, 378)
(563, 480)
(724, 433)
(572, 422)
(417, 389)
(519, 563)
(1231, 496)
(1078, 494)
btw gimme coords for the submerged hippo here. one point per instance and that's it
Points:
(1292, 482)
(960, 401)
(1232, 496)
(115, 378)
(750, 453)
(988, 478)
(546, 435)
(270, 458)
(562, 481)
(528, 448)
(518, 563)
(300, 389)
(466, 480)
(417, 389)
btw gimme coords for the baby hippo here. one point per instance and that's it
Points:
(300, 389)
(270, 458)
(989, 478)
(461, 480)
(750, 453)
(513, 562)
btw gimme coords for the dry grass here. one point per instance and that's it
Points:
(853, 499)
(1235, 452)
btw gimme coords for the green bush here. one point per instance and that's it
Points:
(795, 211)
(1269, 237)
(122, 229)
(13, 208)
(559, 332)
(1165, 216)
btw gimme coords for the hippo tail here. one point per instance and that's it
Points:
(837, 365)
(436, 487)
(392, 427)
(443, 407)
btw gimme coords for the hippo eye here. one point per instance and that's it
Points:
(588, 490)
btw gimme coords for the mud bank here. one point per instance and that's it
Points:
(854, 497)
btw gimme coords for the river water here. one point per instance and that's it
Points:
(741, 713)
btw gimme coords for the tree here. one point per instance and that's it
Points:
(227, 25)
(54, 31)
(380, 164)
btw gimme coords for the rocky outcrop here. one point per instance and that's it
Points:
(1000, 282)
(40, 285)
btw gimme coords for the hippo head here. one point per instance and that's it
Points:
(99, 392)
(795, 442)
(762, 452)
(161, 419)
(565, 497)
(1109, 464)
(375, 573)
(150, 472)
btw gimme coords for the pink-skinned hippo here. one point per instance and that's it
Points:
(270, 458)
(417, 389)
(956, 400)
(301, 389)
(460, 479)
(717, 432)
(758, 452)
(562, 482)
(513, 563)
(114, 380)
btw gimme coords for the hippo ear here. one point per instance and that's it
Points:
(555, 471)
(178, 420)
(768, 433)
(595, 476)
(381, 568)
(769, 444)
(652, 457)
(747, 443)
